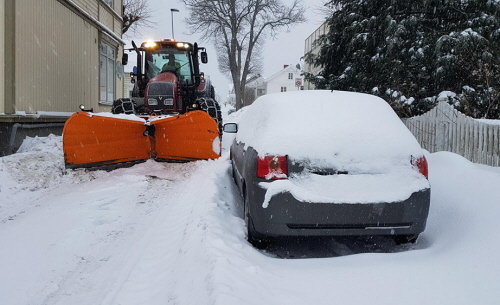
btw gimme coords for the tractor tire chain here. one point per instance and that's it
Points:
(123, 105)
(211, 107)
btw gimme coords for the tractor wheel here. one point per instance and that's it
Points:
(123, 105)
(211, 107)
(212, 93)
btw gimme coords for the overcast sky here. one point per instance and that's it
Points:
(286, 49)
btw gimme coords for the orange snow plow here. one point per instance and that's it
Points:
(93, 140)
(171, 115)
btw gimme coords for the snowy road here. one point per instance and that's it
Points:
(160, 233)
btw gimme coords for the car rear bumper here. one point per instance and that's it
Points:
(286, 216)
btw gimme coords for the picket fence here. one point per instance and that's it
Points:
(445, 129)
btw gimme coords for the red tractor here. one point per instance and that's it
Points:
(169, 81)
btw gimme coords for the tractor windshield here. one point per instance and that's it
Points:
(170, 60)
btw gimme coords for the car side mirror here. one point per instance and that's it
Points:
(204, 57)
(230, 128)
(125, 59)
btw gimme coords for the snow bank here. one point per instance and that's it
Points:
(37, 167)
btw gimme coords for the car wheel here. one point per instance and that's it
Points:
(405, 239)
(254, 238)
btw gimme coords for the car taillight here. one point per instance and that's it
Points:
(272, 167)
(421, 165)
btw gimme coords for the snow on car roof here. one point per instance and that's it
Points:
(320, 124)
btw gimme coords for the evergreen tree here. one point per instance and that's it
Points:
(408, 52)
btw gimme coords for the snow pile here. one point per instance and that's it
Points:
(37, 167)
(235, 116)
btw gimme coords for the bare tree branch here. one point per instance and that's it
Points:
(238, 30)
(136, 14)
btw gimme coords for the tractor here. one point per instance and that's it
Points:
(171, 116)
(167, 80)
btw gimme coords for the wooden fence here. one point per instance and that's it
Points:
(445, 129)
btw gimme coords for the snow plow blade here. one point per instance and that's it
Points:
(193, 136)
(92, 141)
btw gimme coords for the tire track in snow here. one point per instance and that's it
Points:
(167, 266)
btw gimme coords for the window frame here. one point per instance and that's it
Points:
(107, 73)
(109, 2)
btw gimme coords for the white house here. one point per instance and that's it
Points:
(288, 79)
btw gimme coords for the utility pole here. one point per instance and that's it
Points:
(172, 10)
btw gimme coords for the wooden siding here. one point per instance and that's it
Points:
(89, 6)
(2, 56)
(105, 16)
(56, 59)
(118, 28)
(445, 129)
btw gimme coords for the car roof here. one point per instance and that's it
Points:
(320, 124)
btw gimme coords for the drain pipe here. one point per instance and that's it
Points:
(27, 126)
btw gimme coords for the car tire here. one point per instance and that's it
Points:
(405, 239)
(255, 239)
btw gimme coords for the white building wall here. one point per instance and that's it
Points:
(312, 46)
(127, 85)
(281, 80)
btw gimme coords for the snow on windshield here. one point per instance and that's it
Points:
(321, 125)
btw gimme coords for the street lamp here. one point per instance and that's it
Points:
(172, 10)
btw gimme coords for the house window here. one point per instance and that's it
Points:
(283, 89)
(290, 75)
(109, 2)
(107, 74)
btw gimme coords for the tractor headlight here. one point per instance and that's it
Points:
(152, 101)
(150, 44)
(182, 45)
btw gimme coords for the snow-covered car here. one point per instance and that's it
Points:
(328, 163)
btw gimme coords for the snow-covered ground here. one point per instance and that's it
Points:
(161, 233)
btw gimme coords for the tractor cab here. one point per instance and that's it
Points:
(168, 57)
(168, 76)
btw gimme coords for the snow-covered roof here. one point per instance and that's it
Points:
(287, 69)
